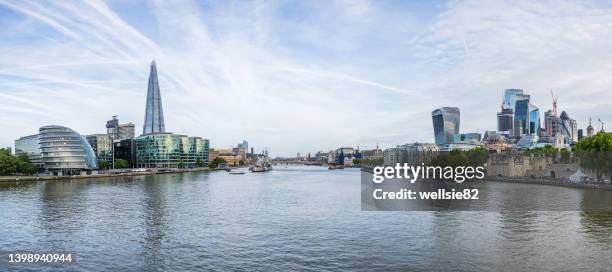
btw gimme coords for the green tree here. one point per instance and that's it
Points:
(477, 156)
(102, 164)
(474, 157)
(19, 164)
(121, 163)
(595, 153)
(217, 161)
(547, 150)
(241, 162)
(8, 163)
(372, 161)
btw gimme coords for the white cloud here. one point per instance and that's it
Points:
(298, 76)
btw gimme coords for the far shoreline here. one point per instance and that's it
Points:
(550, 182)
(16, 179)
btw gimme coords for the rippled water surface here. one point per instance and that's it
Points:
(296, 218)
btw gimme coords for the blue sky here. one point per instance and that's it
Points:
(299, 76)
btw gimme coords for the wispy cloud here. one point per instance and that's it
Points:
(298, 76)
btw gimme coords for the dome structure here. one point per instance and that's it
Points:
(64, 151)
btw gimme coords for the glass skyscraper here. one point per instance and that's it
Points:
(156, 148)
(154, 114)
(446, 124)
(526, 119)
(511, 96)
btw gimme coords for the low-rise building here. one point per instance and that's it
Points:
(126, 149)
(167, 150)
(412, 154)
(102, 146)
(30, 146)
(230, 157)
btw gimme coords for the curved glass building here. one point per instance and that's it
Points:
(64, 151)
(446, 124)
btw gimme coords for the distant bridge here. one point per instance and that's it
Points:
(296, 162)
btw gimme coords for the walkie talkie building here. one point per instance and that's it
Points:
(446, 124)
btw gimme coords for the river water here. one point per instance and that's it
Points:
(295, 218)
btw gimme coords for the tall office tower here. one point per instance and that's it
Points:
(511, 96)
(569, 128)
(505, 120)
(446, 124)
(112, 128)
(534, 120)
(548, 123)
(119, 131)
(580, 134)
(526, 117)
(521, 118)
(244, 145)
(154, 115)
(126, 131)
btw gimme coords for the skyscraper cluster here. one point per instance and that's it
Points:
(518, 116)
(519, 122)
(519, 125)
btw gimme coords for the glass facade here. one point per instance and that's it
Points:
(30, 146)
(526, 118)
(102, 146)
(64, 151)
(467, 137)
(569, 128)
(446, 123)
(154, 114)
(534, 120)
(511, 96)
(505, 120)
(521, 118)
(125, 149)
(167, 150)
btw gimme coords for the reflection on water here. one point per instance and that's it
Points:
(301, 218)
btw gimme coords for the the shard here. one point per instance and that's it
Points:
(154, 115)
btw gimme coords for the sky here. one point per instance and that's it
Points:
(299, 76)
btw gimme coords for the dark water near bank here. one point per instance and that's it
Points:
(303, 218)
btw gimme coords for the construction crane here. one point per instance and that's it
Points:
(554, 129)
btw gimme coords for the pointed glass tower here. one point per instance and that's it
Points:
(154, 115)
